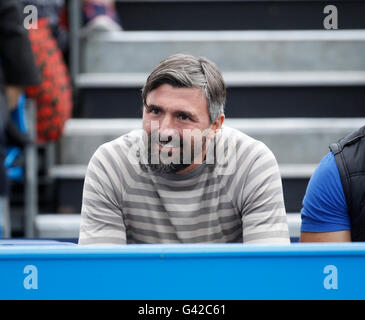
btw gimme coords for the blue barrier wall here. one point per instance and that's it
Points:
(212, 272)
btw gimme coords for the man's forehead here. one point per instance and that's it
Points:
(166, 96)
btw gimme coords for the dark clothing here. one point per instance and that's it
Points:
(17, 61)
(349, 153)
(3, 120)
(17, 66)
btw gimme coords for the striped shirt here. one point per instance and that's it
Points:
(236, 199)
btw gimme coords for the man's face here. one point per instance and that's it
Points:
(171, 113)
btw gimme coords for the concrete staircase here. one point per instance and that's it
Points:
(291, 73)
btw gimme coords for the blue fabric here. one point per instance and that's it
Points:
(12, 153)
(324, 204)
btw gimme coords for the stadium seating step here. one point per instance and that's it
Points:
(289, 50)
(55, 226)
(292, 140)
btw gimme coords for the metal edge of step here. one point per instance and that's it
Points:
(257, 126)
(233, 79)
(77, 172)
(231, 35)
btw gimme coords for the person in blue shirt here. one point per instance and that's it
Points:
(324, 214)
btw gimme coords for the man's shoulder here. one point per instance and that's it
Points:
(326, 172)
(228, 131)
(238, 153)
(324, 204)
(244, 143)
(325, 183)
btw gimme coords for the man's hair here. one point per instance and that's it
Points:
(187, 71)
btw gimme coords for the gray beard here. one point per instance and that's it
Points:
(162, 168)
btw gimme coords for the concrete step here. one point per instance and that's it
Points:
(244, 51)
(53, 226)
(232, 79)
(57, 225)
(77, 172)
(293, 141)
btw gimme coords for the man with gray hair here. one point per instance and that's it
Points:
(184, 177)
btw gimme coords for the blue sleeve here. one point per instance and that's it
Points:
(324, 204)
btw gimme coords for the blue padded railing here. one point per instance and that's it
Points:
(331, 271)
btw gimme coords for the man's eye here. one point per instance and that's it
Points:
(184, 117)
(155, 111)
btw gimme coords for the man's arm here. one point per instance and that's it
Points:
(324, 212)
(101, 215)
(263, 215)
(334, 236)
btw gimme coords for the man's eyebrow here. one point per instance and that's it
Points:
(152, 106)
(177, 112)
(187, 113)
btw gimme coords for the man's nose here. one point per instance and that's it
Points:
(167, 129)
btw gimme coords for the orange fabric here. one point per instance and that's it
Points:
(53, 96)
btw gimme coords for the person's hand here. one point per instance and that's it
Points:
(12, 94)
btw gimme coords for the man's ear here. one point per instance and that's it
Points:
(217, 124)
